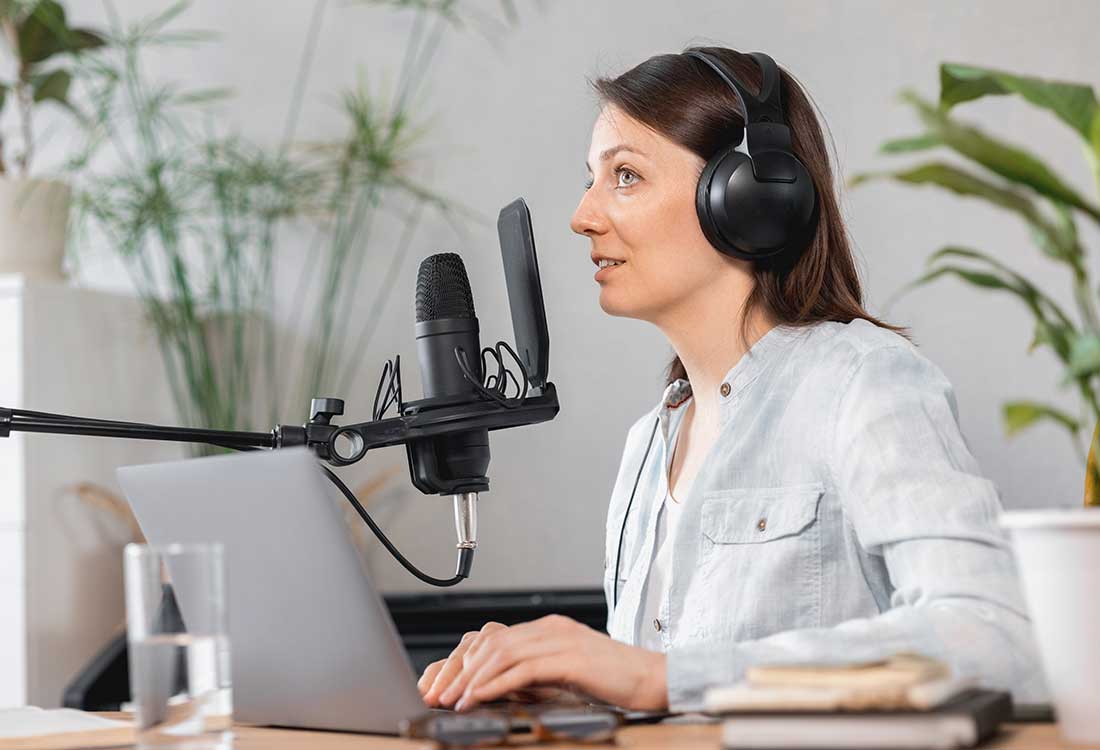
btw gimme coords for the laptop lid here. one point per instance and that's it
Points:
(311, 641)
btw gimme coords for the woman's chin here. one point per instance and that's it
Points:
(613, 304)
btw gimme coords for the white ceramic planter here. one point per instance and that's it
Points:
(33, 219)
(1059, 561)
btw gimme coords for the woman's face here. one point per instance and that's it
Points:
(639, 209)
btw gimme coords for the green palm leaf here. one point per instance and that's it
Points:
(1053, 326)
(1018, 415)
(1008, 161)
(910, 144)
(1073, 103)
(1054, 242)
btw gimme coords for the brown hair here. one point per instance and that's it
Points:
(683, 100)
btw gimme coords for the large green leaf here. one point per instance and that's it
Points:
(40, 32)
(1054, 242)
(1093, 152)
(79, 40)
(1073, 103)
(1055, 335)
(1009, 161)
(53, 85)
(1019, 415)
(921, 142)
(1040, 302)
(976, 278)
(45, 33)
(1053, 326)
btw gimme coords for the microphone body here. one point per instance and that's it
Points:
(465, 454)
(447, 329)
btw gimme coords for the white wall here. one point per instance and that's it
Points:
(514, 118)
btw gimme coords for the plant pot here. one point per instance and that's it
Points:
(1058, 553)
(34, 215)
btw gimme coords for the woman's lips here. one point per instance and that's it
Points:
(601, 273)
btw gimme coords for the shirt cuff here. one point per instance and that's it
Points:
(693, 669)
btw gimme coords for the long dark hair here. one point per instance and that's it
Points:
(683, 100)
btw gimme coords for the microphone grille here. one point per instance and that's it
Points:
(443, 289)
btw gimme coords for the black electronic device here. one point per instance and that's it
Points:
(755, 198)
(449, 350)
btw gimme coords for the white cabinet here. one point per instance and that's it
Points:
(87, 353)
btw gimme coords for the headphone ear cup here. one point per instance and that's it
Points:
(751, 219)
(711, 192)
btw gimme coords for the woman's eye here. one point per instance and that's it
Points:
(627, 175)
(588, 183)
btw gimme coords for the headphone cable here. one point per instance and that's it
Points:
(626, 514)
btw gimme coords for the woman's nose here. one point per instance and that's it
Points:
(587, 219)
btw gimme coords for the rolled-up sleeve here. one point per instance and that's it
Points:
(914, 495)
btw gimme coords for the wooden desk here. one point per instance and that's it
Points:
(644, 737)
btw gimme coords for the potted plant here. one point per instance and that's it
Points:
(33, 211)
(1014, 179)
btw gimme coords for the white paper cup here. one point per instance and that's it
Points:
(1058, 553)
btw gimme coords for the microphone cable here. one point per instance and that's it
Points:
(496, 385)
(465, 556)
(392, 370)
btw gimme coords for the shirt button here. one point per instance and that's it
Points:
(657, 625)
(725, 389)
(762, 524)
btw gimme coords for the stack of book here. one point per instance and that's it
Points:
(905, 702)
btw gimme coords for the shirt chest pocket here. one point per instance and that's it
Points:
(760, 561)
(755, 515)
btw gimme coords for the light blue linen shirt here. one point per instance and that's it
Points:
(839, 516)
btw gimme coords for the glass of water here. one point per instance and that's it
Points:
(178, 646)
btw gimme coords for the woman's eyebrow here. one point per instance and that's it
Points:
(607, 153)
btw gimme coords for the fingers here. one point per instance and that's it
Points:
(550, 668)
(501, 651)
(451, 667)
(495, 653)
(446, 670)
(430, 673)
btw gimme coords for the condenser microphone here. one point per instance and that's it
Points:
(448, 346)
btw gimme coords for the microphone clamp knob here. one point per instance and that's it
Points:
(322, 410)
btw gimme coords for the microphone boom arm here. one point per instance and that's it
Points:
(422, 419)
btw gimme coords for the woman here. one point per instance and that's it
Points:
(802, 491)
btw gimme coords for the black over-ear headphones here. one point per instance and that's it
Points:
(755, 199)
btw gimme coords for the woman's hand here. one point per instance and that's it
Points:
(554, 651)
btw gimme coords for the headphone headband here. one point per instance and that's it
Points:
(763, 107)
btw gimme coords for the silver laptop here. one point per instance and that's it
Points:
(312, 642)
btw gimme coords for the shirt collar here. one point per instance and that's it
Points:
(740, 375)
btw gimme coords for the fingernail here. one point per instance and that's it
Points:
(461, 703)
